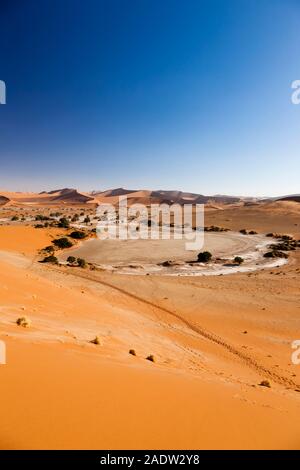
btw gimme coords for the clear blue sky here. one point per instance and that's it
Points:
(173, 94)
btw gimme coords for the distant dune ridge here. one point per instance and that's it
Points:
(75, 196)
(293, 197)
(3, 200)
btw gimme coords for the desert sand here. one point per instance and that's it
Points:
(214, 340)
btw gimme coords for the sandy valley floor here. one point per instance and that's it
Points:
(214, 339)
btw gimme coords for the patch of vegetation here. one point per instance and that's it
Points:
(244, 231)
(71, 259)
(265, 383)
(132, 352)
(55, 214)
(49, 249)
(215, 228)
(275, 254)
(150, 358)
(204, 257)
(283, 247)
(81, 262)
(77, 235)
(238, 260)
(62, 243)
(96, 340)
(50, 259)
(24, 322)
(63, 223)
(14, 218)
(41, 217)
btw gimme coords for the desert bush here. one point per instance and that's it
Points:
(243, 231)
(23, 321)
(77, 235)
(14, 218)
(215, 228)
(204, 257)
(238, 260)
(71, 259)
(49, 249)
(275, 254)
(132, 352)
(96, 340)
(50, 259)
(252, 232)
(41, 217)
(81, 262)
(265, 383)
(63, 223)
(87, 220)
(62, 242)
(286, 246)
(150, 358)
(39, 226)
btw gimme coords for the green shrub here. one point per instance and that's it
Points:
(96, 340)
(204, 257)
(50, 259)
(64, 223)
(78, 235)
(276, 254)
(71, 259)
(49, 249)
(23, 321)
(150, 358)
(238, 260)
(81, 262)
(62, 242)
(265, 383)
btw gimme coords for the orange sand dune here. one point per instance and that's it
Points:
(26, 240)
(213, 340)
(55, 398)
(61, 196)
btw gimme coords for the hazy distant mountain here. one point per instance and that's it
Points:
(161, 196)
(74, 196)
(292, 197)
(114, 192)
